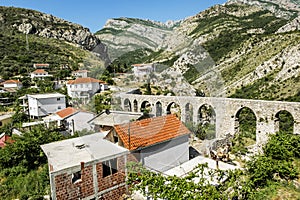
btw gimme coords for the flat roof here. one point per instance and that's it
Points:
(44, 96)
(69, 153)
(190, 165)
(5, 116)
(115, 117)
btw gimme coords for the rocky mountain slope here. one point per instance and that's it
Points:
(127, 34)
(246, 49)
(49, 39)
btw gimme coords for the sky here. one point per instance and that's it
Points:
(94, 13)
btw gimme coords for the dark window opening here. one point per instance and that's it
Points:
(109, 167)
(116, 139)
(58, 99)
(0, 123)
(76, 177)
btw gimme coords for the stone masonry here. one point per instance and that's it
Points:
(226, 110)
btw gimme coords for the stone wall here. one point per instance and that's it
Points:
(226, 110)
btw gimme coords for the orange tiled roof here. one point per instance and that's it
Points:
(150, 131)
(66, 112)
(141, 65)
(41, 64)
(39, 71)
(11, 82)
(84, 80)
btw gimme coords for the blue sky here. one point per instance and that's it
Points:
(94, 13)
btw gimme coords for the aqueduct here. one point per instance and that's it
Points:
(226, 111)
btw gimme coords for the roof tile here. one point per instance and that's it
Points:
(150, 131)
(66, 112)
(84, 80)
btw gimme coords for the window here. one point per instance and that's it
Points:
(0, 123)
(116, 139)
(59, 107)
(109, 167)
(58, 99)
(76, 177)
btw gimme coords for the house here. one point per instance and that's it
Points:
(143, 69)
(41, 65)
(39, 74)
(41, 105)
(80, 74)
(159, 143)
(85, 88)
(107, 119)
(71, 119)
(86, 167)
(16, 84)
(5, 119)
(4, 139)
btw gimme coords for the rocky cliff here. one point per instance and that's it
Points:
(245, 49)
(48, 26)
(122, 35)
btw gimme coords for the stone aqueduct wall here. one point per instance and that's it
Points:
(226, 110)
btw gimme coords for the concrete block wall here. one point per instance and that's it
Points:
(92, 184)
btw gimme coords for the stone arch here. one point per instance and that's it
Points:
(135, 106)
(158, 109)
(127, 105)
(284, 121)
(246, 125)
(189, 113)
(146, 106)
(206, 126)
(174, 108)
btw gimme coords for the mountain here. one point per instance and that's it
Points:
(245, 49)
(30, 36)
(128, 34)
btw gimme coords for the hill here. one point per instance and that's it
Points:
(244, 49)
(29, 37)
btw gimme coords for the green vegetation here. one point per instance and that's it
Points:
(230, 39)
(24, 169)
(264, 177)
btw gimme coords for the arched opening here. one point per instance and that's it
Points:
(188, 113)
(284, 121)
(146, 107)
(135, 106)
(158, 108)
(245, 130)
(174, 108)
(127, 105)
(206, 127)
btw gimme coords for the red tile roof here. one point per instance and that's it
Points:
(4, 140)
(41, 64)
(84, 80)
(66, 112)
(150, 131)
(142, 65)
(11, 82)
(39, 71)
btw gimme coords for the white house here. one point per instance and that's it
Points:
(40, 74)
(85, 88)
(72, 119)
(16, 84)
(159, 143)
(40, 105)
(143, 69)
(80, 74)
